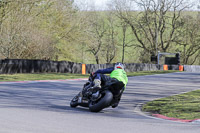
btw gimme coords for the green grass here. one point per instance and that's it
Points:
(40, 76)
(54, 76)
(183, 106)
(142, 73)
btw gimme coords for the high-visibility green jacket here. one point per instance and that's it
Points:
(120, 75)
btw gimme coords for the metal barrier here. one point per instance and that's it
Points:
(9, 66)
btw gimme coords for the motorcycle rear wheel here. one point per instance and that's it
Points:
(102, 103)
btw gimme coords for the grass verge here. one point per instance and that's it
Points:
(142, 73)
(54, 76)
(40, 76)
(183, 106)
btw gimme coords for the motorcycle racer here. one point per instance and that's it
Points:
(102, 91)
(116, 73)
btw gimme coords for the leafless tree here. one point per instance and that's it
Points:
(110, 40)
(96, 32)
(189, 40)
(126, 40)
(154, 26)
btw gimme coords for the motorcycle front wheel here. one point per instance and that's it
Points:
(74, 102)
(102, 103)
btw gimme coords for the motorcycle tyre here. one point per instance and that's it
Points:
(74, 104)
(103, 103)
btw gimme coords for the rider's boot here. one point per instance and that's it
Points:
(114, 105)
(117, 100)
(97, 83)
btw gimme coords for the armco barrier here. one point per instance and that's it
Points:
(9, 66)
(191, 68)
(132, 67)
(129, 67)
(173, 67)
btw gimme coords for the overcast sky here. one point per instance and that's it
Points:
(101, 4)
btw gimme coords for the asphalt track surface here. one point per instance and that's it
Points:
(43, 107)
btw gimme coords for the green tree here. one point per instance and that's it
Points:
(38, 29)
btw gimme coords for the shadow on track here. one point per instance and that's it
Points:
(54, 97)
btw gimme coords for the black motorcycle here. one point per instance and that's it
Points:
(99, 98)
